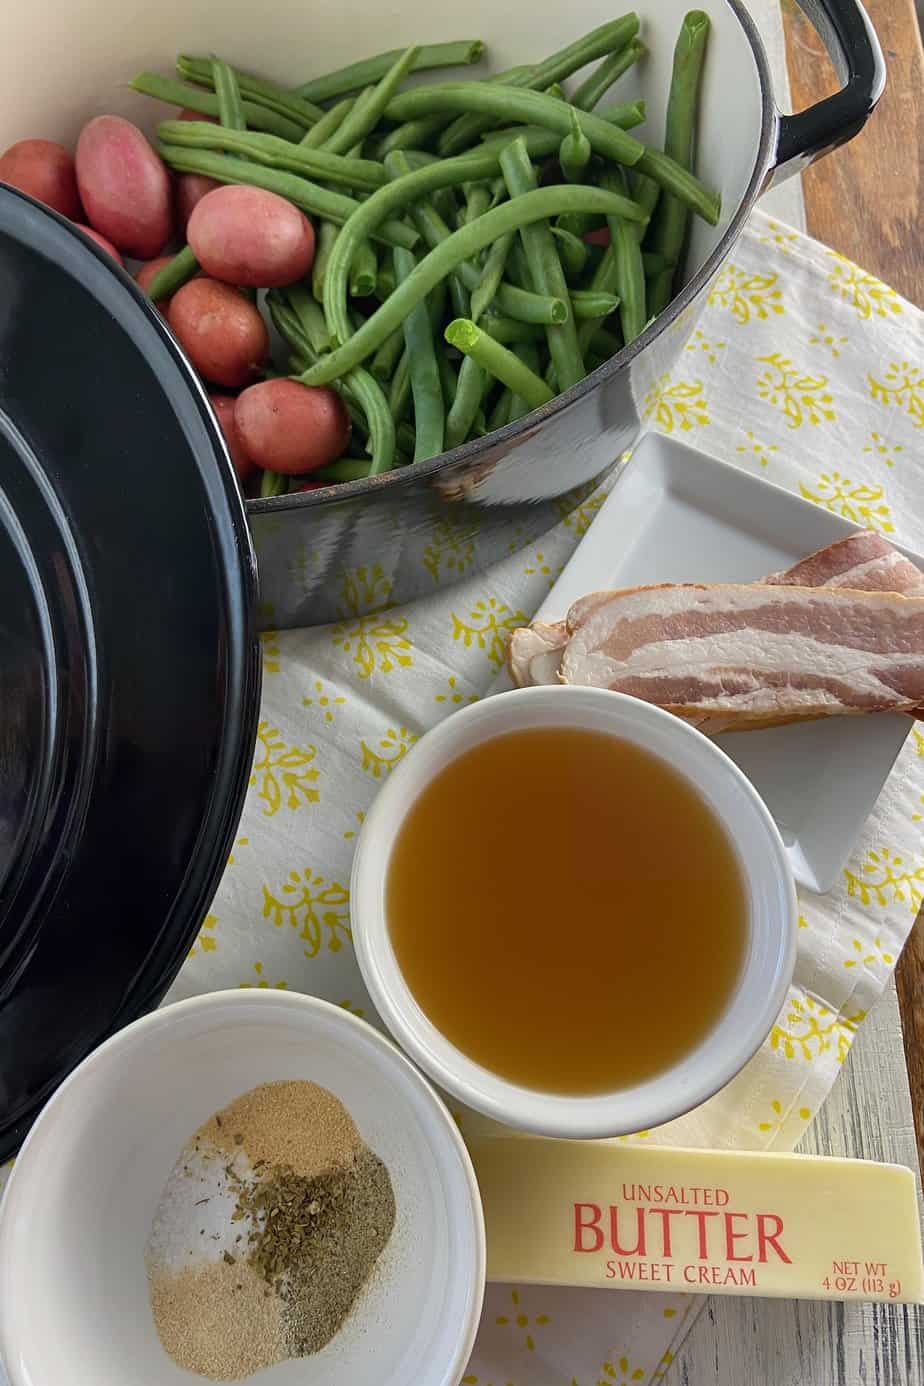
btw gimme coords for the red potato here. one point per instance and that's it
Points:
(45, 171)
(245, 235)
(187, 114)
(224, 408)
(190, 190)
(124, 186)
(220, 330)
(100, 240)
(599, 237)
(292, 428)
(145, 273)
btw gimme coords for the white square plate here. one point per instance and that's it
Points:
(676, 515)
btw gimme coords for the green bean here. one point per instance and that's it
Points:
(616, 34)
(324, 245)
(595, 87)
(430, 224)
(399, 391)
(367, 112)
(528, 354)
(477, 201)
(310, 316)
(386, 358)
(544, 266)
(344, 469)
(496, 359)
(322, 202)
(363, 271)
(274, 152)
(669, 231)
(407, 440)
(500, 414)
(419, 134)
(511, 332)
(458, 53)
(230, 110)
(628, 270)
(206, 102)
(572, 251)
(384, 282)
(653, 263)
(541, 143)
(537, 205)
(492, 272)
(273, 484)
(603, 281)
(605, 343)
(379, 422)
(465, 405)
(580, 223)
(291, 327)
(647, 193)
(256, 89)
(330, 122)
(588, 305)
(449, 378)
(183, 267)
(574, 152)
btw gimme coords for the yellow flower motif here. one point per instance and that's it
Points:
(578, 518)
(314, 908)
(800, 397)
(916, 817)
(206, 942)
(663, 1365)
(868, 295)
(487, 627)
(269, 643)
(746, 295)
(521, 1320)
(780, 236)
(454, 694)
(778, 1115)
(351, 832)
(823, 336)
(540, 564)
(681, 405)
(354, 1010)
(284, 773)
(261, 981)
(903, 386)
(669, 1313)
(856, 501)
(303, 567)
(918, 741)
(476, 1381)
(238, 842)
(699, 342)
(326, 703)
(886, 879)
(451, 549)
(762, 451)
(886, 452)
(620, 1370)
(808, 1029)
(875, 955)
(375, 642)
(393, 747)
(635, 1136)
(803, 922)
(363, 590)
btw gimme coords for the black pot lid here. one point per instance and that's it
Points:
(129, 670)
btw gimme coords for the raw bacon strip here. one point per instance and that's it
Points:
(727, 656)
(863, 561)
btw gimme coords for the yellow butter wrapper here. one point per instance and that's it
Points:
(595, 1213)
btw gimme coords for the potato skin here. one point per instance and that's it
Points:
(220, 330)
(100, 241)
(44, 170)
(124, 186)
(224, 408)
(248, 236)
(292, 428)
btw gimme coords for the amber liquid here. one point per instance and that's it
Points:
(567, 910)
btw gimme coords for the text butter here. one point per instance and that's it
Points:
(722, 1222)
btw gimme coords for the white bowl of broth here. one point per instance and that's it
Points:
(574, 912)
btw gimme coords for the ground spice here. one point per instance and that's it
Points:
(300, 1208)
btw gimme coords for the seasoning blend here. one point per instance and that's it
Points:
(269, 1226)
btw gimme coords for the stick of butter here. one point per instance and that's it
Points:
(722, 1222)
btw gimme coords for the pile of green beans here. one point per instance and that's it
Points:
(456, 283)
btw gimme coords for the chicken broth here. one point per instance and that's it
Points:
(566, 910)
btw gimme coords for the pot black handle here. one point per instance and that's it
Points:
(854, 49)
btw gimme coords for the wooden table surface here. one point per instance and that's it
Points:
(868, 202)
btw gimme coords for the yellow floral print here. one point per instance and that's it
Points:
(261, 981)
(779, 236)
(238, 842)
(662, 1367)
(539, 564)
(699, 342)
(918, 741)
(393, 747)
(578, 519)
(858, 501)
(823, 336)
(808, 1029)
(318, 910)
(620, 1370)
(864, 955)
(803, 922)
(351, 832)
(470, 1380)
(520, 1320)
(269, 643)
(779, 1114)
(755, 448)
(746, 295)
(285, 774)
(451, 549)
(886, 879)
(868, 295)
(354, 1010)
(487, 627)
(454, 693)
(326, 703)
(206, 942)
(680, 406)
(363, 590)
(635, 1136)
(800, 397)
(885, 451)
(902, 385)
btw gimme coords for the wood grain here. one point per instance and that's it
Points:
(867, 202)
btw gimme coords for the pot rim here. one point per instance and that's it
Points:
(473, 452)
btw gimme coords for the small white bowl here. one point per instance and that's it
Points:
(77, 1211)
(772, 915)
